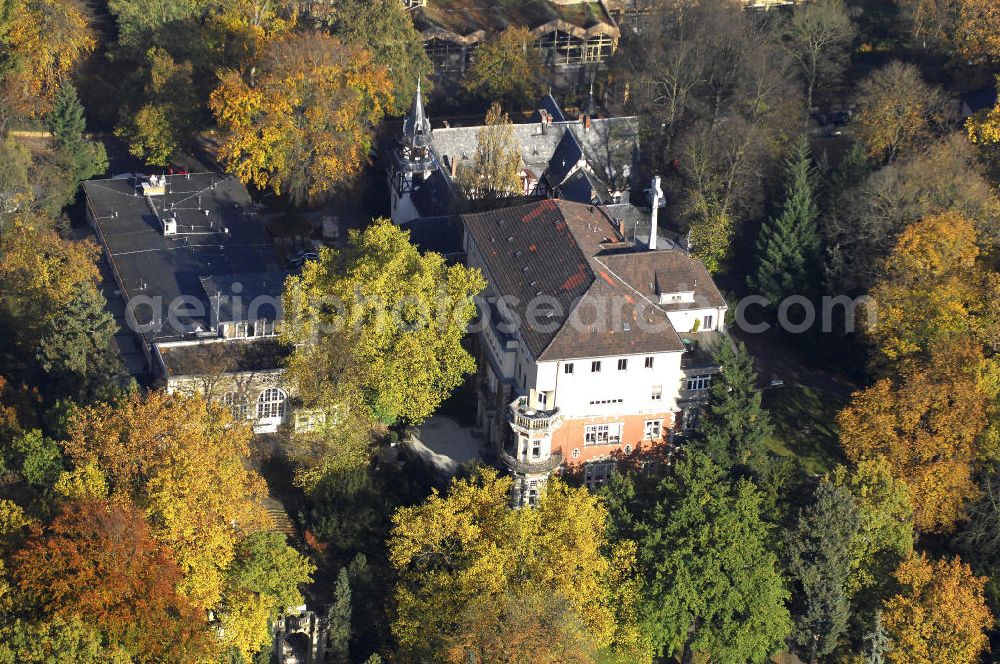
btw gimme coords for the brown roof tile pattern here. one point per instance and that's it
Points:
(566, 267)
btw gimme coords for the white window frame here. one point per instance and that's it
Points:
(706, 322)
(595, 366)
(698, 383)
(623, 364)
(656, 394)
(652, 429)
(603, 434)
(271, 405)
(648, 364)
(568, 368)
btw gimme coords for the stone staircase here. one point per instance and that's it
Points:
(282, 523)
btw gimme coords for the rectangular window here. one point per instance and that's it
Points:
(543, 400)
(604, 402)
(602, 434)
(699, 382)
(622, 364)
(595, 367)
(657, 393)
(649, 362)
(533, 492)
(597, 473)
(651, 429)
(536, 449)
(568, 368)
(706, 323)
(690, 418)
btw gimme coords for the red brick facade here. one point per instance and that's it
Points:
(570, 436)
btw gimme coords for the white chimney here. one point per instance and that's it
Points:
(657, 195)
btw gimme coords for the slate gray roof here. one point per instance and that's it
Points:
(245, 296)
(608, 147)
(557, 261)
(217, 235)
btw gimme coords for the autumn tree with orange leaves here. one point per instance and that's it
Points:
(98, 561)
(181, 461)
(303, 125)
(940, 616)
(926, 424)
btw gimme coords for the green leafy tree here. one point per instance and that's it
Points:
(15, 189)
(339, 620)
(884, 537)
(265, 564)
(735, 426)
(139, 20)
(165, 119)
(377, 328)
(53, 640)
(818, 549)
(712, 586)
(788, 246)
(385, 28)
(506, 67)
(37, 457)
(711, 230)
(261, 583)
(76, 350)
(78, 158)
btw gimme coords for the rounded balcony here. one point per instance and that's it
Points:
(531, 420)
(530, 467)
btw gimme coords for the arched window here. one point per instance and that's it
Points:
(237, 405)
(271, 404)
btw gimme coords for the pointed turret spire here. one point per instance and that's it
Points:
(417, 124)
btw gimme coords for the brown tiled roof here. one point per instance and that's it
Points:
(565, 258)
(469, 21)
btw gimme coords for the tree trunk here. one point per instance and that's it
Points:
(688, 655)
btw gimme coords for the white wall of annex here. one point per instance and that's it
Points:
(634, 385)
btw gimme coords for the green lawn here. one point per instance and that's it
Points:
(804, 426)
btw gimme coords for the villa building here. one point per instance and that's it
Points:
(592, 348)
(587, 159)
(201, 284)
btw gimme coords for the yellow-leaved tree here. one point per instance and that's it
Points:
(44, 40)
(302, 122)
(932, 287)
(480, 581)
(377, 330)
(926, 425)
(984, 126)
(940, 616)
(181, 461)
